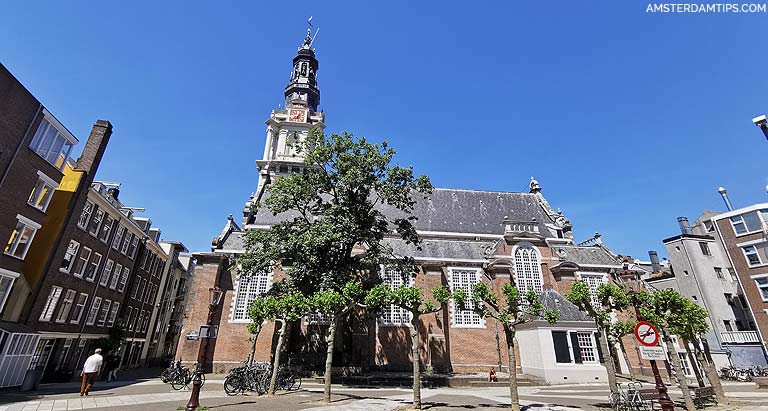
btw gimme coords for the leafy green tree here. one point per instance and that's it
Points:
(674, 314)
(332, 229)
(260, 311)
(618, 329)
(411, 299)
(515, 309)
(335, 305)
(610, 298)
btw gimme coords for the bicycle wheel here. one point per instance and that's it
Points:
(233, 385)
(179, 382)
(202, 379)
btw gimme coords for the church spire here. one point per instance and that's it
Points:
(302, 90)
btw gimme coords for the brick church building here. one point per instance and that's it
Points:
(468, 236)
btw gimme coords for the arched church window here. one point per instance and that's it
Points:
(528, 269)
(248, 288)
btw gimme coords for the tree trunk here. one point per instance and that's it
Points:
(607, 361)
(255, 337)
(710, 372)
(626, 359)
(276, 361)
(514, 398)
(678, 366)
(416, 360)
(329, 358)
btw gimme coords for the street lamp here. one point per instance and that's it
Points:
(215, 295)
(762, 122)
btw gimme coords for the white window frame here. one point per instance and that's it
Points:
(464, 318)
(106, 272)
(126, 242)
(22, 224)
(79, 308)
(123, 279)
(394, 315)
(133, 247)
(98, 218)
(113, 314)
(10, 277)
(118, 239)
(106, 229)
(85, 215)
(95, 263)
(116, 276)
(741, 221)
(244, 294)
(602, 278)
(528, 273)
(756, 253)
(40, 198)
(90, 319)
(761, 287)
(66, 307)
(50, 303)
(62, 136)
(83, 269)
(101, 319)
(590, 335)
(73, 258)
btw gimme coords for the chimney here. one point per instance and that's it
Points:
(724, 194)
(94, 148)
(655, 261)
(685, 226)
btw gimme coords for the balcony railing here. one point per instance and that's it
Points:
(739, 337)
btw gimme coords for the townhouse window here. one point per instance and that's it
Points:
(82, 222)
(732, 272)
(739, 226)
(142, 289)
(82, 262)
(576, 347)
(42, 192)
(705, 248)
(103, 313)
(50, 303)
(69, 256)
(106, 228)
(145, 323)
(79, 308)
(123, 279)
(113, 314)
(464, 279)
(133, 247)
(104, 280)
(719, 273)
(149, 293)
(248, 288)
(394, 314)
(750, 252)
(126, 243)
(144, 260)
(98, 216)
(594, 281)
(116, 276)
(128, 315)
(52, 142)
(528, 270)
(93, 267)
(118, 237)
(135, 289)
(7, 279)
(21, 237)
(91, 318)
(762, 286)
(66, 306)
(728, 326)
(139, 320)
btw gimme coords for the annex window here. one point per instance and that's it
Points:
(82, 262)
(79, 308)
(750, 252)
(113, 314)
(50, 303)
(69, 257)
(249, 287)
(594, 281)
(528, 270)
(41, 194)
(464, 279)
(705, 248)
(762, 286)
(93, 267)
(393, 314)
(98, 216)
(66, 306)
(106, 228)
(52, 142)
(85, 215)
(21, 237)
(123, 279)
(104, 280)
(118, 237)
(7, 279)
(91, 318)
(586, 347)
(116, 276)
(104, 312)
(575, 347)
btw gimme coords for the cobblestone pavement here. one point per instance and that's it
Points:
(154, 395)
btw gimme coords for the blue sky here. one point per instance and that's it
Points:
(627, 119)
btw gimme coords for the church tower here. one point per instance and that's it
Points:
(286, 127)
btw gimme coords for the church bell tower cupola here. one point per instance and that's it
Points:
(302, 90)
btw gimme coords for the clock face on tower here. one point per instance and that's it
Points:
(296, 116)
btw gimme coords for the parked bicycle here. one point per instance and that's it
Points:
(256, 377)
(743, 374)
(170, 373)
(629, 398)
(179, 377)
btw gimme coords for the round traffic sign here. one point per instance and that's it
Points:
(646, 334)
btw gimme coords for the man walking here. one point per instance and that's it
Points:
(91, 369)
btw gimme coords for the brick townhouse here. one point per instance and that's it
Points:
(468, 236)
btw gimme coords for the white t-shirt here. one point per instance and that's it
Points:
(93, 363)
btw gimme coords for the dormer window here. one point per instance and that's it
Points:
(52, 142)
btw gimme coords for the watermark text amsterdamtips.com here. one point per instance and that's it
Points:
(706, 8)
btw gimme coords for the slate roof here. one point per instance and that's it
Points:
(552, 300)
(586, 255)
(438, 248)
(234, 241)
(457, 211)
